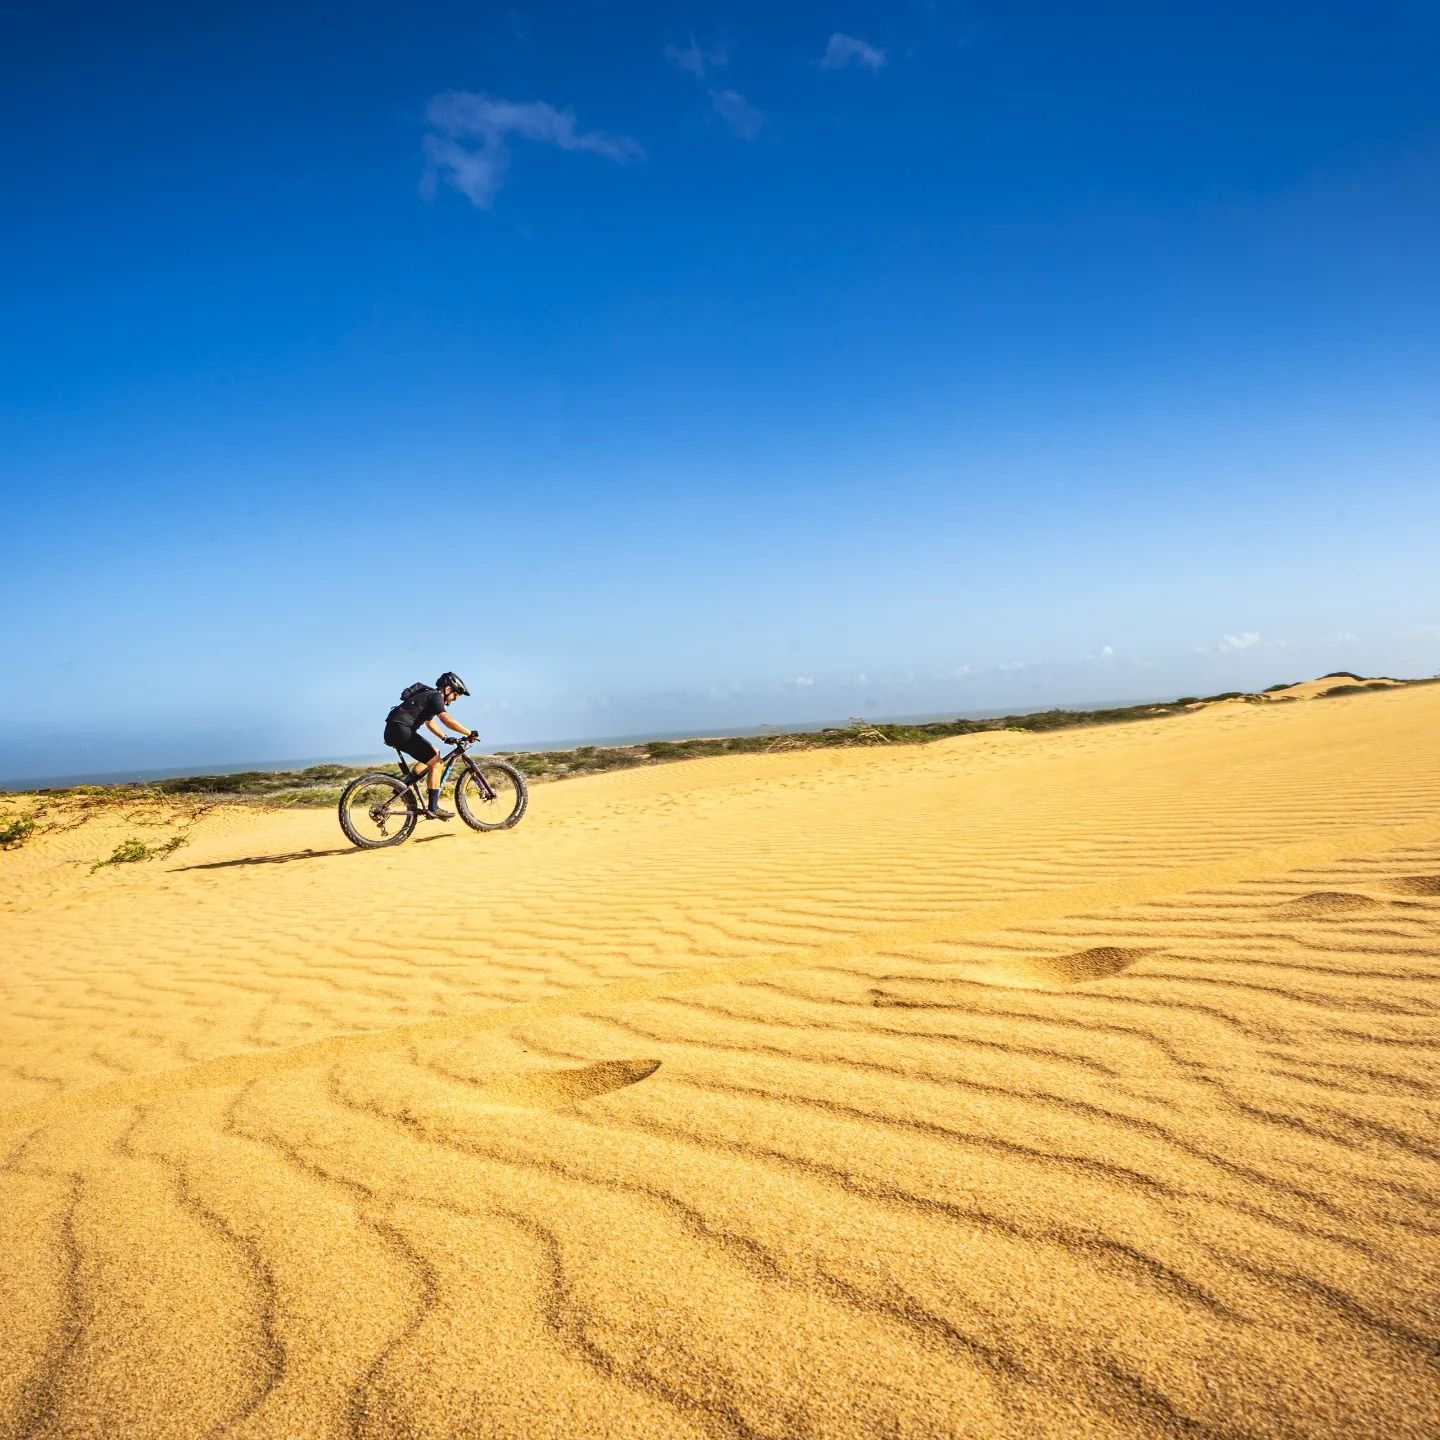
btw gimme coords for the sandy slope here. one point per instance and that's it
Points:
(1016, 1085)
(1315, 689)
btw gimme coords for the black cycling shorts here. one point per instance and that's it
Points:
(417, 747)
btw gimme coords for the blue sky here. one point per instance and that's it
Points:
(661, 367)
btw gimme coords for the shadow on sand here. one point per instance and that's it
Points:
(293, 855)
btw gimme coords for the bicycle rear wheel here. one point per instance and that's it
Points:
(376, 811)
(502, 806)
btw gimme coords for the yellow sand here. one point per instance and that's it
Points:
(1017, 1085)
(1314, 689)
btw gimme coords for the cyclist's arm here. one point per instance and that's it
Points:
(455, 725)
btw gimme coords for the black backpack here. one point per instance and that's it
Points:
(411, 691)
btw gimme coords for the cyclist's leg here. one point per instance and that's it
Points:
(432, 792)
(419, 748)
(433, 770)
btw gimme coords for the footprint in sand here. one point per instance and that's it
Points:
(1053, 972)
(429, 1101)
(1323, 903)
(555, 1089)
(1035, 972)
(1414, 885)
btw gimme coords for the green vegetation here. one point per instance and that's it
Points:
(262, 783)
(14, 833)
(129, 852)
(1353, 689)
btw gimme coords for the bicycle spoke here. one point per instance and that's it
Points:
(492, 796)
(377, 811)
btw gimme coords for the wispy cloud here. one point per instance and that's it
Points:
(469, 144)
(843, 50)
(697, 59)
(738, 113)
(1243, 641)
(803, 681)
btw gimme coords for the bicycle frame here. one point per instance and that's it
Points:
(413, 777)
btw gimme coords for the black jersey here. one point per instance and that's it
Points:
(420, 704)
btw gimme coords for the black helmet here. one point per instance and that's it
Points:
(451, 679)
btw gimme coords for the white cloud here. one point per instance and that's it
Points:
(803, 681)
(469, 144)
(696, 59)
(1343, 638)
(843, 50)
(738, 113)
(1242, 641)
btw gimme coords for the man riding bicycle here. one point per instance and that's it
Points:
(424, 705)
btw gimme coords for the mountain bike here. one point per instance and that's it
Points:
(379, 809)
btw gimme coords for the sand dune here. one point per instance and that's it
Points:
(1316, 689)
(1062, 1084)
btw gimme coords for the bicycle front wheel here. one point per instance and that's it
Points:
(490, 795)
(376, 811)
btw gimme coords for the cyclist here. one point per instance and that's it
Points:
(424, 705)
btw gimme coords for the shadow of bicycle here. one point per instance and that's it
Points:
(292, 856)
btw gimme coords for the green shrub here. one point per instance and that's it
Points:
(14, 833)
(130, 852)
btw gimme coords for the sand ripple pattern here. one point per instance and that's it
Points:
(1014, 1086)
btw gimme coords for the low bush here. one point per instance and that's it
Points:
(131, 852)
(14, 833)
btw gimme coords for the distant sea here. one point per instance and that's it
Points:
(236, 767)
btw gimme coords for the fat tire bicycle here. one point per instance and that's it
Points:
(379, 809)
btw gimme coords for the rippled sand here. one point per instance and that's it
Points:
(1018, 1085)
